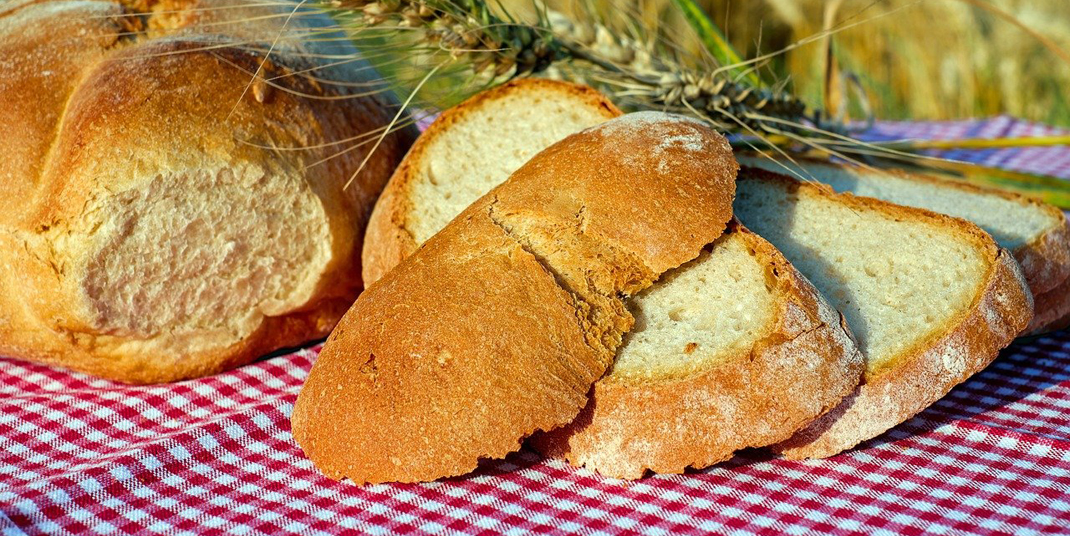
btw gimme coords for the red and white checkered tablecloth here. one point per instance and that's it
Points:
(215, 455)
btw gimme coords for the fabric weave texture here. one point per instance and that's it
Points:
(215, 455)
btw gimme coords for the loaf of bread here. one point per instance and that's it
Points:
(931, 299)
(468, 150)
(1037, 233)
(163, 214)
(500, 323)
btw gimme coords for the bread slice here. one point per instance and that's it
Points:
(470, 149)
(931, 299)
(1037, 233)
(498, 326)
(734, 349)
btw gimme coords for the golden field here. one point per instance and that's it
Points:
(921, 59)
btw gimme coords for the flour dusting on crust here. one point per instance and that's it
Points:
(673, 146)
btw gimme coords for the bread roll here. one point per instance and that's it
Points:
(162, 215)
(499, 324)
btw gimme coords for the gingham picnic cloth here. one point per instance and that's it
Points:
(82, 455)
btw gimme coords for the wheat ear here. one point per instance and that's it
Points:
(470, 33)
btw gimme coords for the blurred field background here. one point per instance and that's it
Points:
(916, 59)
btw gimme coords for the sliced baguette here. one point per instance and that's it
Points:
(931, 299)
(500, 324)
(468, 150)
(1037, 233)
(734, 349)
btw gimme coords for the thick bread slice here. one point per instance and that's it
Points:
(470, 149)
(1037, 233)
(498, 326)
(931, 299)
(734, 349)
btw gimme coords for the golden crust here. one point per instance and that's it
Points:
(1052, 310)
(482, 336)
(387, 242)
(1000, 313)
(388, 239)
(419, 382)
(802, 367)
(1045, 260)
(122, 102)
(925, 372)
(89, 355)
(32, 106)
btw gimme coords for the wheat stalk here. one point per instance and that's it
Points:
(637, 70)
(636, 74)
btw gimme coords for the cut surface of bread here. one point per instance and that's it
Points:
(701, 314)
(468, 150)
(500, 323)
(1037, 233)
(734, 349)
(931, 299)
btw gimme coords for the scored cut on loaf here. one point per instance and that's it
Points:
(500, 323)
(734, 349)
(1037, 233)
(931, 299)
(468, 150)
(161, 216)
